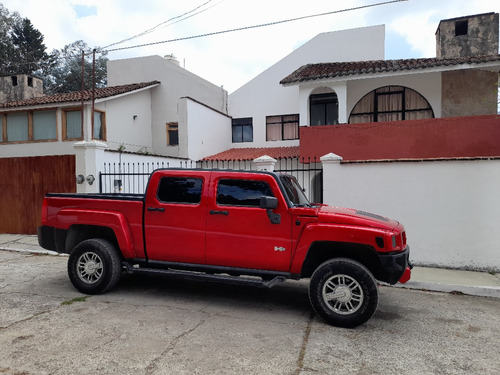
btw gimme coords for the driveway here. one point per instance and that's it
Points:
(153, 325)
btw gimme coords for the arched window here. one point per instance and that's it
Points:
(324, 109)
(391, 103)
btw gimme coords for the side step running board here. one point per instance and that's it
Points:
(190, 275)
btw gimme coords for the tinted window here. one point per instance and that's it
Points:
(180, 190)
(242, 192)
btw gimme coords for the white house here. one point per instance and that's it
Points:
(264, 102)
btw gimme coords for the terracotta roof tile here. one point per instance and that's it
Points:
(312, 72)
(100, 93)
(254, 153)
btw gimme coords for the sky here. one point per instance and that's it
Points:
(234, 58)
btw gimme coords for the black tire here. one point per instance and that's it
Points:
(94, 266)
(356, 289)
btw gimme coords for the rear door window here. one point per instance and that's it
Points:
(180, 190)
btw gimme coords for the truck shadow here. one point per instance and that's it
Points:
(289, 296)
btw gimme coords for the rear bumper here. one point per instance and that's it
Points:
(51, 238)
(46, 238)
(397, 266)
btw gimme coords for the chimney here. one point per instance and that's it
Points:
(20, 87)
(467, 36)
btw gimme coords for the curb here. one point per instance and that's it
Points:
(479, 291)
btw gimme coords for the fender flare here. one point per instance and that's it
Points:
(336, 234)
(116, 221)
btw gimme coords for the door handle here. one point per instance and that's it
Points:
(214, 212)
(158, 209)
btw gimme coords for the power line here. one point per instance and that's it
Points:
(254, 26)
(179, 18)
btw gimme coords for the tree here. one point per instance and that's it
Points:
(22, 51)
(66, 75)
(7, 21)
(29, 49)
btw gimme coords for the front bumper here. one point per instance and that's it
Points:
(397, 266)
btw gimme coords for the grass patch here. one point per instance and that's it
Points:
(72, 301)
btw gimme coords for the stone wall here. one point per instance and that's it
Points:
(469, 93)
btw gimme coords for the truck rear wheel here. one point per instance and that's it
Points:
(94, 266)
(343, 292)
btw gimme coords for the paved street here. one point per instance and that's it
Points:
(153, 325)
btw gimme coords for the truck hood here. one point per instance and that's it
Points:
(348, 216)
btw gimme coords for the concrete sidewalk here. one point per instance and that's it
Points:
(423, 278)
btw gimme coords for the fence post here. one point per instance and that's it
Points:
(89, 158)
(331, 181)
(265, 163)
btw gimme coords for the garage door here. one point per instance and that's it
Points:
(23, 184)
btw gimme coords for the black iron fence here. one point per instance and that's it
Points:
(133, 177)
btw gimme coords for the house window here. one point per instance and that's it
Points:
(99, 130)
(172, 134)
(29, 126)
(44, 125)
(14, 80)
(30, 81)
(180, 190)
(17, 127)
(242, 129)
(279, 128)
(324, 109)
(391, 103)
(242, 192)
(461, 27)
(72, 125)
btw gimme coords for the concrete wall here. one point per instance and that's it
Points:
(264, 96)
(451, 137)
(128, 121)
(202, 130)
(450, 209)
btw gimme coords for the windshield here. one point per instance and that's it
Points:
(293, 191)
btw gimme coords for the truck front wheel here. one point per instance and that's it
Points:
(94, 266)
(343, 292)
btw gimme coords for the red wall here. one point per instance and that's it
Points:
(452, 137)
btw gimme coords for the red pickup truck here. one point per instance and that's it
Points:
(242, 227)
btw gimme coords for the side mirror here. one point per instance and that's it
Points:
(268, 202)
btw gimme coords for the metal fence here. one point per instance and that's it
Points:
(132, 178)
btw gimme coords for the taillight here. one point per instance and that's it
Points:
(45, 209)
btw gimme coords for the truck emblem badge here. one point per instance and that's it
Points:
(276, 248)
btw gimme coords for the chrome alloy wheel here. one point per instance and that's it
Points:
(90, 267)
(343, 294)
